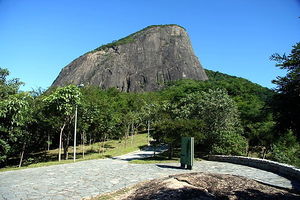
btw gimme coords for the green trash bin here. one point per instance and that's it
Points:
(187, 152)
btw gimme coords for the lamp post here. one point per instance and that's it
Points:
(75, 125)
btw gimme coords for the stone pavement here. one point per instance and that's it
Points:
(90, 178)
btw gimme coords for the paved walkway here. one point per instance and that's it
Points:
(90, 178)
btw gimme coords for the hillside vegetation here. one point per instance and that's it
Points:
(226, 115)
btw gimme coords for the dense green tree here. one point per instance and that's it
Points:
(286, 149)
(94, 103)
(8, 86)
(148, 114)
(14, 121)
(41, 126)
(219, 126)
(253, 102)
(170, 131)
(14, 117)
(287, 99)
(100, 114)
(61, 104)
(220, 115)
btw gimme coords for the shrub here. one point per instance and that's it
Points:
(286, 150)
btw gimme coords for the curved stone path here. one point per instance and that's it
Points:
(90, 178)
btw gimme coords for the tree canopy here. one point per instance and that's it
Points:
(225, 115)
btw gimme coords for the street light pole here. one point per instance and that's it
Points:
(75, 126)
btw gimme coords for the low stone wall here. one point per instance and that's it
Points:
(268, 165)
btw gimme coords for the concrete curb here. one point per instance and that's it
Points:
(268, 165)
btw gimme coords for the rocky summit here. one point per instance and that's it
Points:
(142, 61)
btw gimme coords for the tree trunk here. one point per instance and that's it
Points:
(126, 135)
(60, 141)
(248, 150)
(48, 148)
(66, 147)
(103, 146)
(22, 154)
(170, 151)
(82, 144)
(265, 150)
(132, 131)
(90, 145)
(154, 149)
(148, 136)
(100, 146)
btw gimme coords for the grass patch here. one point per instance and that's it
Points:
(95, 151)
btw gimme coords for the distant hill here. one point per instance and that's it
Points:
(237, 86)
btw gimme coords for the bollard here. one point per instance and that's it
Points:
(187, 152)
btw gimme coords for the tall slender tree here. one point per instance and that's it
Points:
(287, 99)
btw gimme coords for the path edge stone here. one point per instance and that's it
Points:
(285, 170)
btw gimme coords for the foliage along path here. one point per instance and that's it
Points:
(90, 178)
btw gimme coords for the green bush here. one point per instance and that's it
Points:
(229, 143)
(222, 125)
(286, 150)
(170, 131)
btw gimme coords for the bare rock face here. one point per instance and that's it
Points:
(143, 61)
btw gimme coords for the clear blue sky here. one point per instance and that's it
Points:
(39, 37)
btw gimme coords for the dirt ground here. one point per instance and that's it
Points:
(204, 186)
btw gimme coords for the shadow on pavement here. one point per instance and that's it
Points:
(145, 152)
(296, 185)
(169, 166)
(138, 156)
